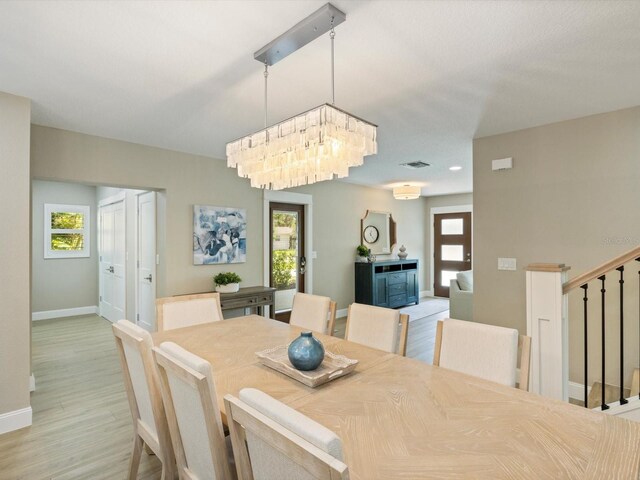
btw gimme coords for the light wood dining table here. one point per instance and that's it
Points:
(400, 418)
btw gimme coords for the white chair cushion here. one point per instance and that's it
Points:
(189, 312)
(137, 372)
(375, 327)
(465, 280)
(292, 420)
(189, 412)
(310, 311)
(484, 351)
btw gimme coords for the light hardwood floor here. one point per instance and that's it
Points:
(82, 427)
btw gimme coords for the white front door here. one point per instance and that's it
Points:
(146, 271)
(111, 225)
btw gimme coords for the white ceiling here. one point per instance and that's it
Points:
(432, 74)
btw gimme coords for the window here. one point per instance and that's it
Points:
(66, 231)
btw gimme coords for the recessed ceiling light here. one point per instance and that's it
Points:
(455, 168)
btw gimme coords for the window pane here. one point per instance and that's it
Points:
(67, 220)
(452, 253)
(67, 241)
(446, 277)
(284, 257)
(452, 226)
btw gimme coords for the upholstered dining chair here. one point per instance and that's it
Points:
(189, 395)
(187, 310)
(484, 351)
(313, 312)
(271, 440)
(145, 401)
(377, 327)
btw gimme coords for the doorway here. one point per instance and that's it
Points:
(451, 249)
(287, 261)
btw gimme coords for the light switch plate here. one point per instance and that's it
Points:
(507, 264)
(314, 254)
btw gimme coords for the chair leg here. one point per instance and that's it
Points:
(135, 457)
(168, 473)
(148, 450)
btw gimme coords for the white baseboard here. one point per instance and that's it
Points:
(32, 383)
(65, 312)
(426, 293)
(15, 420)
(576, 391)
(341, 313)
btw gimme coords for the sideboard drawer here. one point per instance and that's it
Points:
(400, 277)
(397, 300)
(397, 288)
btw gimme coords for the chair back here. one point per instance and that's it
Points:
(271, 440)
(187, 310)
(134, 346)
(313, 312)
(377, 327)
(189, 394)
(484, 351)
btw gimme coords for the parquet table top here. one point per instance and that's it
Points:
(400, 418)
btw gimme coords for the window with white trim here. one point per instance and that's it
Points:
(66, 231)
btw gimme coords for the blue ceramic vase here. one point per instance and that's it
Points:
(306, 352)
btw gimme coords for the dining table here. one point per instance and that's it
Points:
(400, 418)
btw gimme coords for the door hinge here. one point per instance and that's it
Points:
(138, 263)
(100, 297)
(100, 257)
(138, 317)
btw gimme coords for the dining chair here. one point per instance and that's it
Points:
(189, 394)
(271, 440)
(141, 382)
(313, 312)
(485, 351)
(377, 327)
(187, 310)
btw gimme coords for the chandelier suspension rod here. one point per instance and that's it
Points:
(332, 35)
(266, 76)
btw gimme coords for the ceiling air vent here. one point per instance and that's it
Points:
(414, 165)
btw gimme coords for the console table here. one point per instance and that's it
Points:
(250, 297)
(392, 283)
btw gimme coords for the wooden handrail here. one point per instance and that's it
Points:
(601, 270)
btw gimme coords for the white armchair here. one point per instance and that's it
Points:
(461, 296)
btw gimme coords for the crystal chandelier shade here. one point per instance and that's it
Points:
(317, 145)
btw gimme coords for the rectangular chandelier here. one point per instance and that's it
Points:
(320, 144)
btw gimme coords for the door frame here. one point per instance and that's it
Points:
(299, 199)
(435, 211)
(118, 197)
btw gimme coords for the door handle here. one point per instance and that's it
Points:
(111, 270)
(150, 278)
(303, 265)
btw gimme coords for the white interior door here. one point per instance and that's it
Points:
(146, 271)
(112, 236)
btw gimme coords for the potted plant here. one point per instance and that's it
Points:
(363, 253)
(227, 282)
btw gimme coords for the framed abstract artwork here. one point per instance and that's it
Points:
(219, 235)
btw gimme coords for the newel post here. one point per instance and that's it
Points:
(547, 312)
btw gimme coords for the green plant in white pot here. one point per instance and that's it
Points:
(362, 253)
(227, 282)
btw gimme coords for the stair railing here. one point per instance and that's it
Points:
(547, 324)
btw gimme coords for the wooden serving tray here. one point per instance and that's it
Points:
(332, 367)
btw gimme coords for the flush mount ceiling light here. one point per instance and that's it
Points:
(455, 168)
(406, 192)
(316, 145)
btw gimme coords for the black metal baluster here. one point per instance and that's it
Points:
(603, 405)
(585, 299)
(621, 281)
(638, 260)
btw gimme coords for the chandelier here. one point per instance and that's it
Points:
(316, 145)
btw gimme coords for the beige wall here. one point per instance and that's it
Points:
(572, 197)
(59, 283)
(15, 214)
(433, 202)
(188, 179)
(185, 179)
(337, 210)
